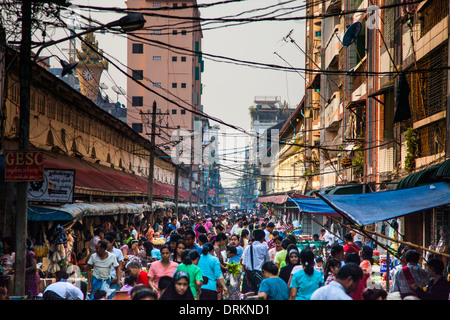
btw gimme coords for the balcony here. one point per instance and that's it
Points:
(333, 6)
(331, 113)
(332, 48)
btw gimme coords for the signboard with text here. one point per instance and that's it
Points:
(23, 166)
(58, 186)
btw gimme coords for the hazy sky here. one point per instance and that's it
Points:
(228, 89)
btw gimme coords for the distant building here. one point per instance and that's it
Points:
(169, 61)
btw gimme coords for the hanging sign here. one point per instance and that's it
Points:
(58, 186)
(21, 166)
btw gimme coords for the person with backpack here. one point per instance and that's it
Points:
(410, 275)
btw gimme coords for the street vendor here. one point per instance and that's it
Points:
(100, 262)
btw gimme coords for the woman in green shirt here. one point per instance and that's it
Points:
(190, 259)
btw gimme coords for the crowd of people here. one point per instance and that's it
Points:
(235, 257)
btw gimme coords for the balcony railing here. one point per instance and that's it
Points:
(332, 111)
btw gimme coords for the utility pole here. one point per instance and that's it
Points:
(177, 174)
(152, 160)
(190, 177)
(24, 143)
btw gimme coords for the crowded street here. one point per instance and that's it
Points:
(254, 153)
(230, 255)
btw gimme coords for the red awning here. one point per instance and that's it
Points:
(94, 177)
(280, 199)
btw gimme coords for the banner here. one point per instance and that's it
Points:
(58, 186)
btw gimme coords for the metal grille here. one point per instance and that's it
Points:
(432, 138)
(429, 88)
(437, 90)
(432, 14)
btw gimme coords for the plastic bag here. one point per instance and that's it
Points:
(105, 287)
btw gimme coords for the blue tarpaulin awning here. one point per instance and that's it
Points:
(315, 206)
(367, 208)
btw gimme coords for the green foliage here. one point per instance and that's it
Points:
(234, 268)
(412, 149)
(358, 160)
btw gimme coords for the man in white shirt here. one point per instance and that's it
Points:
(236, 226)
(62, 290)
(347, 281)
(328, 237)
(99, 233)
(116, 279)
(260, 255)
(268, 231)
(100, 263)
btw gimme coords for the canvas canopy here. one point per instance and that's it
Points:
(367, 208)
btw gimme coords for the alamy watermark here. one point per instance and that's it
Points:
(374, 17)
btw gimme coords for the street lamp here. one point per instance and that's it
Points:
(128, 23)
(66, 66)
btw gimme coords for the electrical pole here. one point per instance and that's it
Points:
(24, 143)
(152, 160)
(177, 174)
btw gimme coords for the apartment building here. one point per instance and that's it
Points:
(166, 58)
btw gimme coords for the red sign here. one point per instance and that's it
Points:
(24, 166)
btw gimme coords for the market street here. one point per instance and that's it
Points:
(231, 151)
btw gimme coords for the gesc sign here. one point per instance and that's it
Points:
(24, 166)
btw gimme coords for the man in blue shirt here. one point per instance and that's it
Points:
(260, 253)
(189, 241)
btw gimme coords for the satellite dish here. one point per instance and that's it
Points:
(118, 90)
(103, 86)
(351, 34)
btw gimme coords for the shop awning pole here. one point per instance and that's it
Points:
(357, 227)
(416, 246)
(319, 223)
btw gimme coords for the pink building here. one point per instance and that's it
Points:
(166, 57)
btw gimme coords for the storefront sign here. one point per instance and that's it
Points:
(58, 186)
(24, 166)
(383, 266)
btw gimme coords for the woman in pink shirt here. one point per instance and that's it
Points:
(160, 268)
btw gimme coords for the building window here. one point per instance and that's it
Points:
(156, 58)
(174, 32)
(183, 59)
(138, 74)
(174, 85)
(183, 111)
(183, 85)
(157, 31)
(156, 4)
(138, 48)
(175, 5)
(184, 4)
(174, 59)
(197, 73)
(157, 84)
(174, 111)
(137, 101)
(138, 127)
(183, 32)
